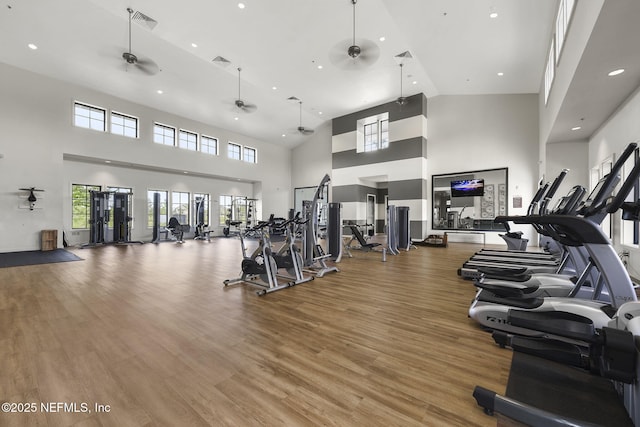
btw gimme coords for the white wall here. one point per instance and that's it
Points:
(584, 18)
(37, 130)
(312, 160)
(612, 138)
(472, 132)
(568, 155)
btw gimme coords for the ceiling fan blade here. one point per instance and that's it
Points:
(249, 108)
(147, 66)
(245, 107)
(305, 131)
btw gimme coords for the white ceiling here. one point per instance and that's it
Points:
(457, 49)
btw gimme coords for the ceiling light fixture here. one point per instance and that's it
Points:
(501, 74)
(274, 88)
(493, 15)
(241, 5)
(616, 72)
(235, 118)
(159, 92)
(320, 67)
(383, 38)
(576, 128)
(194, 45)
(32, 46)
(414, 82)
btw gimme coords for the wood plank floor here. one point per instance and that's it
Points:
(151, 331)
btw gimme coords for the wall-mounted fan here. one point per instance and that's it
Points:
(352, 55)
(145, 65)
(32, 197)
(240, 104)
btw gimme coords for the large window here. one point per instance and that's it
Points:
(188, 140)
(249, 155)
(163, 208)
(225, 209)
(90, 117)
(209, 145)
(180, 206)
(125, 190)
(563, 18)
(549, 72)
(234, 151)
(372, 133)
(165, 135)
(81, 205)
(200, 208)
(124, 125)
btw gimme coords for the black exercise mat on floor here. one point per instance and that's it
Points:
(566, 391)
(15, 259)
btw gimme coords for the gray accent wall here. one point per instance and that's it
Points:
(400, 168)
(406, 190)
(416, 105)
(398, 150)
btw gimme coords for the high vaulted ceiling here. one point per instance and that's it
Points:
(457, 48)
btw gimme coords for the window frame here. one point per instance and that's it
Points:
(224, 208)
(207, 208)
(229, 151)
(91, 108)
(124, 126)
(164, 136)
(216, 145)
(251, 150)
(164, 217)
(183, 203)
(87, 205)
(188, 134)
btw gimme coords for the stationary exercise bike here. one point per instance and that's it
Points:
(261, 264)
(289, 256)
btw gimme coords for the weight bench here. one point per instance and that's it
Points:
(364, 245)
(176, 229)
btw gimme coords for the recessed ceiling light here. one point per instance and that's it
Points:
(493, 15)
(159, 91)
(107, 161)
(185, 172)
(501, 74)
(320, 113)
(616, 72)
(319, 67)
(241, 5)
(284, 135)
(32, 46)
(274, 87)
(415, 82)
(235, 118)
(383, 38)
(576, 128)
(194, 45)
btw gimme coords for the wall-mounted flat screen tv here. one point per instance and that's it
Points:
(467, 188)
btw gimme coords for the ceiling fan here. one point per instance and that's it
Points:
(301, 129)
(247, 108)
(355, 56)
(146, 66)
(400, 58)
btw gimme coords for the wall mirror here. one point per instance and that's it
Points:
(469, 200)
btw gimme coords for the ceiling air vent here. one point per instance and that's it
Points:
(219, 60)
(144, 20)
